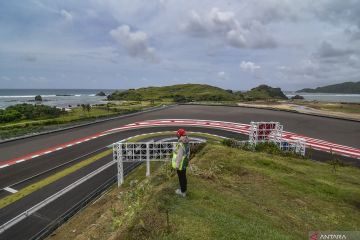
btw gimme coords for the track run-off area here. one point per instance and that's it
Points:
(240, 128)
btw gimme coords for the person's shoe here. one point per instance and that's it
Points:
(179, 192)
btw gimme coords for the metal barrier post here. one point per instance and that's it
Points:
(147, 160)
(120, 166)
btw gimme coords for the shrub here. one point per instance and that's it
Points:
(179, 99)
(29, 111)
(268, 147)
(9, 116)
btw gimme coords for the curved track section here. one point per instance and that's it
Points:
(240, 128)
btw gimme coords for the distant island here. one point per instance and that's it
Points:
(346, 87)
(197, 92)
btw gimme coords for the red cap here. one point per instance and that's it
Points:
(181, 132)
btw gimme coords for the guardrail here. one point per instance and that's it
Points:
(80, 205)
(50, 199)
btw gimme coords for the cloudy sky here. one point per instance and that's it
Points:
(128, 44)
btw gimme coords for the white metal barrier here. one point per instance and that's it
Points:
(295, 146)
(265, 132)
(142, 152)
(272, 132)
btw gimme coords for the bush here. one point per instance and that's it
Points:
(29, 111)
(268, 147)
(9, 116)
(179, 99)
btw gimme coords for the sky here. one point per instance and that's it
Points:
(117, 44)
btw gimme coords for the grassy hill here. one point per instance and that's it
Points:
(264, 92)
(179, 93)
(232, 194)
(346, 87)
(197, 92)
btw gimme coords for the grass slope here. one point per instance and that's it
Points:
(233, 194)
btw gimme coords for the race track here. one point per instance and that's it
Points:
(22, 160)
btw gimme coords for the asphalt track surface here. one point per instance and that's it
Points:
(334, 130)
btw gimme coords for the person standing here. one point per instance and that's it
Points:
(180, 160)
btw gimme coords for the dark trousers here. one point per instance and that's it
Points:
(182, 180)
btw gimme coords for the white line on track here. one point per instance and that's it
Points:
(11, 190)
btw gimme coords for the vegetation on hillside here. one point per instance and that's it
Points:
(177, 93)
(197, 92)
(346, 87)
(232, 194)
(264, 92)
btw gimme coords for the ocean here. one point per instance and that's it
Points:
(53, 97)
(73, 97)
(327, 97)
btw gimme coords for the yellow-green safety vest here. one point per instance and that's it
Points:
(184, 159)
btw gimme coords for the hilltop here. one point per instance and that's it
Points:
(196, 92)
(346, 87)
(179, 93)
(264, 92)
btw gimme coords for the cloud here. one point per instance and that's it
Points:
(5, 78)
(135, 42)
(68, 17)
(222, 75)
(30, 58)
(249, 66)
(327, 50)
(225, 26)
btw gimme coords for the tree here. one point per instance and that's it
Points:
(38, 98)
(88, 107)
(179, 98)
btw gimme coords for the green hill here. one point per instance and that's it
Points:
(179, 93)
(196, 92)
(264, 92)
(346, 87)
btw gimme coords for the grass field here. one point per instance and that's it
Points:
(233, 194)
